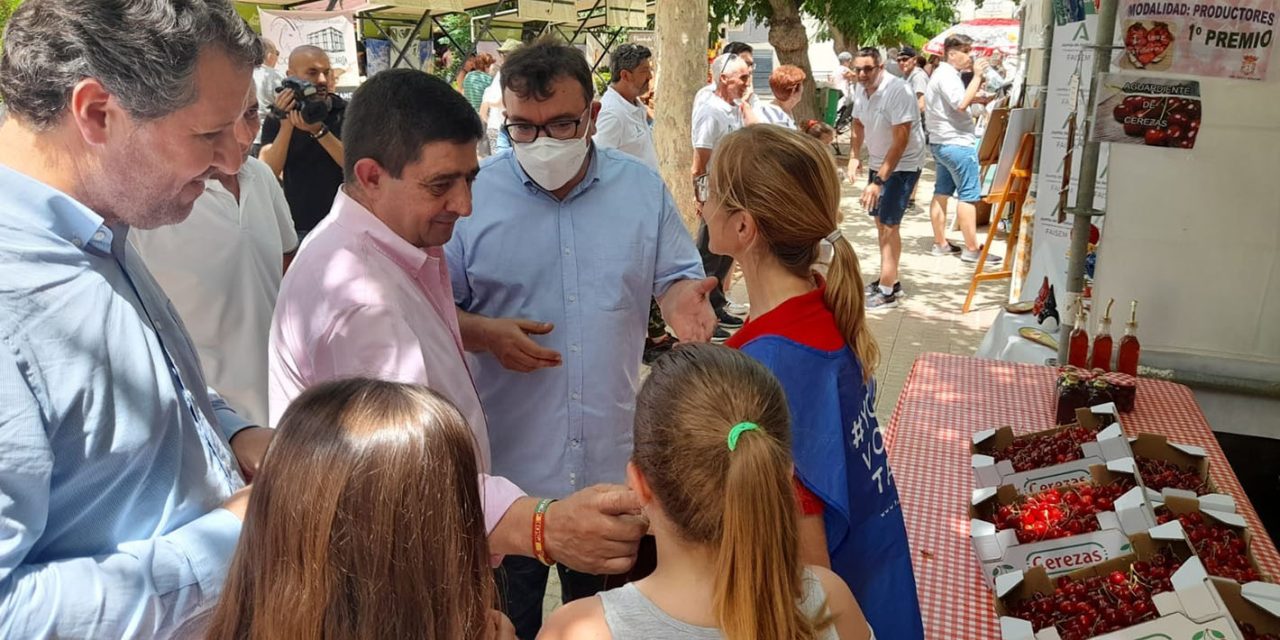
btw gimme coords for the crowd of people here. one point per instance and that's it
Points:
(276, 364)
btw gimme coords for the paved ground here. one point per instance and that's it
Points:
(928, 319)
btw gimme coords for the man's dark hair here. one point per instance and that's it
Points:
(397, 112)
(143, 51)
(737, 48)
(869, 52)
(957, 41)
(626, 58)
(533, 68)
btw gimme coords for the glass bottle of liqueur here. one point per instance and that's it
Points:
(1078, 345)
(1101, 358)
(1127, 360)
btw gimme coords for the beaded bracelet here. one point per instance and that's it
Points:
(539, 532)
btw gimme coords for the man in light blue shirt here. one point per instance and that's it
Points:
(553, 275)
(120, 495)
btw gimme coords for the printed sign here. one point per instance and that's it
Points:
(334, 33)
(1156, 112)
(1217, 38)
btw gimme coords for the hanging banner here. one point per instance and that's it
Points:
(1156, 112)
(335, 33)
(1070, 72)
(1216, 38)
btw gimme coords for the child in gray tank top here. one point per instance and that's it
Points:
(712, 465)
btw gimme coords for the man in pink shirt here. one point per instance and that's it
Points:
(369, 294)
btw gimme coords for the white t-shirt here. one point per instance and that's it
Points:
(713, 119)
(493, 95)
(918, 80)
(947, 123)
(892, 104)
(221, 268)
(773, 114)
(624, 126)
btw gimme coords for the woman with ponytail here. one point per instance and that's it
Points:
(712, 465)
(772, 202)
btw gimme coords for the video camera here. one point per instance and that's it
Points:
(307, 100)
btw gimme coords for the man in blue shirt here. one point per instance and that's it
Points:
(120, 475)
(553, 274)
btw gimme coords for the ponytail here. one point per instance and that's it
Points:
(846, 299)
(758, 584)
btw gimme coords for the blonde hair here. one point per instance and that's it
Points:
(365, 522)
(740, 503)
(786, 181)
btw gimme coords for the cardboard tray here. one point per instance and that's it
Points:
(1193, 606)
(1213, 511)
(999, 551)
(1184, 456)
(1111, 444)
(1255, 603)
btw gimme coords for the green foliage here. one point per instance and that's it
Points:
(6, 9)
(867, 22)
(458, 26)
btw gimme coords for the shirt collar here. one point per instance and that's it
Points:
(355, 217)
(55, 211)
(612, 95)
(589, 179)
(244, 175)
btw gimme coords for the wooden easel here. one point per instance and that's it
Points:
(1013, 194)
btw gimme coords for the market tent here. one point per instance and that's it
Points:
(989, 36)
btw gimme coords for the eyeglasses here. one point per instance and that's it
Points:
(864, 69)
(701, 189)
(904, 58)
(557, 129)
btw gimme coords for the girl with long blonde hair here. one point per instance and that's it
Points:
(364, 522)
(712, 465)
(772, 202)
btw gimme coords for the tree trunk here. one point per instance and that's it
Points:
(791, 46)
(681, 61)
(841, 41)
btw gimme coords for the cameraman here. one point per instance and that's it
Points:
(308, 156)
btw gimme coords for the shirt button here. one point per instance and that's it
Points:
(99, 236)
(573, 348)
(575, 395)
(77, 242)
(566, 251)
(573, 298)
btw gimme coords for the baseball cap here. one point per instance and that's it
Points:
(907, 52)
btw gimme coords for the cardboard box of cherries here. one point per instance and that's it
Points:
(1159, 590)
(1220, 537)
(1060, 529)
(1167, 468)
(1054, 457)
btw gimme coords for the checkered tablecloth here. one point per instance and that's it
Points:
(945, 400)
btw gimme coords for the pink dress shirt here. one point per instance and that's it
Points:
(359, 300)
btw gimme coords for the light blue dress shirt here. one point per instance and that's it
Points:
(589, 265)
(111, 469)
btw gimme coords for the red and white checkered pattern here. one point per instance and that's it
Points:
(945, 400)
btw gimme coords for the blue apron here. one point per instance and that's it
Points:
(840, 456)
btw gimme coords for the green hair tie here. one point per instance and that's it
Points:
(736, 432)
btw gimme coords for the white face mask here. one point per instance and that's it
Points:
(550, 162)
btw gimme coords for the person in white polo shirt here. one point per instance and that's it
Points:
(714, 118)
(887, 118)
(221, 268)
(954, 146)
(623, 122)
